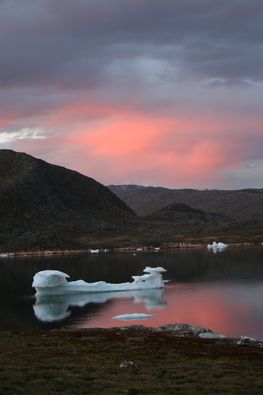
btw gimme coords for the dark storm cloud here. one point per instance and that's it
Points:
(71, 43)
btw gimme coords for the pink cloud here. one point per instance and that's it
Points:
(117, 145)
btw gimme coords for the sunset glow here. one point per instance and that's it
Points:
(193, 307)
(166, 95)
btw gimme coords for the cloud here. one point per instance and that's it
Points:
(71, 46)
(123, 146)
(23, 134)
(249, 174)
(160, 91)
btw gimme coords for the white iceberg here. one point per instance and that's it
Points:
(96, 251)
(217, 246)
(54, 282)
(221, 246)
(133, 316)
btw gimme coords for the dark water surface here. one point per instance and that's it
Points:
(222, 291)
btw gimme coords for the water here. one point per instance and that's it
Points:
(220, 291)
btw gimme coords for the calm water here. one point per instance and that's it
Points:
(221, 291)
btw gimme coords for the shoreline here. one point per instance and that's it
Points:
(130, 249)
(129, 360)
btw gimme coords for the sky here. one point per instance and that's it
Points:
(149, 92)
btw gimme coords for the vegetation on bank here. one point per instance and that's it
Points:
(88, 362)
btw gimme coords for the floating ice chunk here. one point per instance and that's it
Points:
(133, 316)
(213, 245)
(94, 251)
(217, 246)
(53, 282)
(221, 246)
(210, 246)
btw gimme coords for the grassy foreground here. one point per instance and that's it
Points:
(88, 362)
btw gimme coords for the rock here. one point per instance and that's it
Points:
(211, 335)
(185, 329)
(128, 364)
(243, 340)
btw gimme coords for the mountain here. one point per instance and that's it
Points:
(179, 221)
(239, 205)
(183, 213)
(47, 206)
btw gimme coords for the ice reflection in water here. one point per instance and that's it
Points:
(57, 308)
(220, 291)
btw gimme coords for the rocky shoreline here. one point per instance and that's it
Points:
(129, 249)
(172, 359)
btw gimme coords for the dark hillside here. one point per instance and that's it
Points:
(48, 206)
(240, 205)
(183, 213)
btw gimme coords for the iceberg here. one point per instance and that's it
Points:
(96, 251)
(133, 316)
(54, 282)
(217, 246)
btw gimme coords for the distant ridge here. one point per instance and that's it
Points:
(47, 206)
(183, 213)
(239, 205)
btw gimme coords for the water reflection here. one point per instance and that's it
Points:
(220, 291)
(57, 308)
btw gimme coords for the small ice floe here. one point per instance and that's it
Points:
(96, 251)
(133, 316)
(217, 246)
